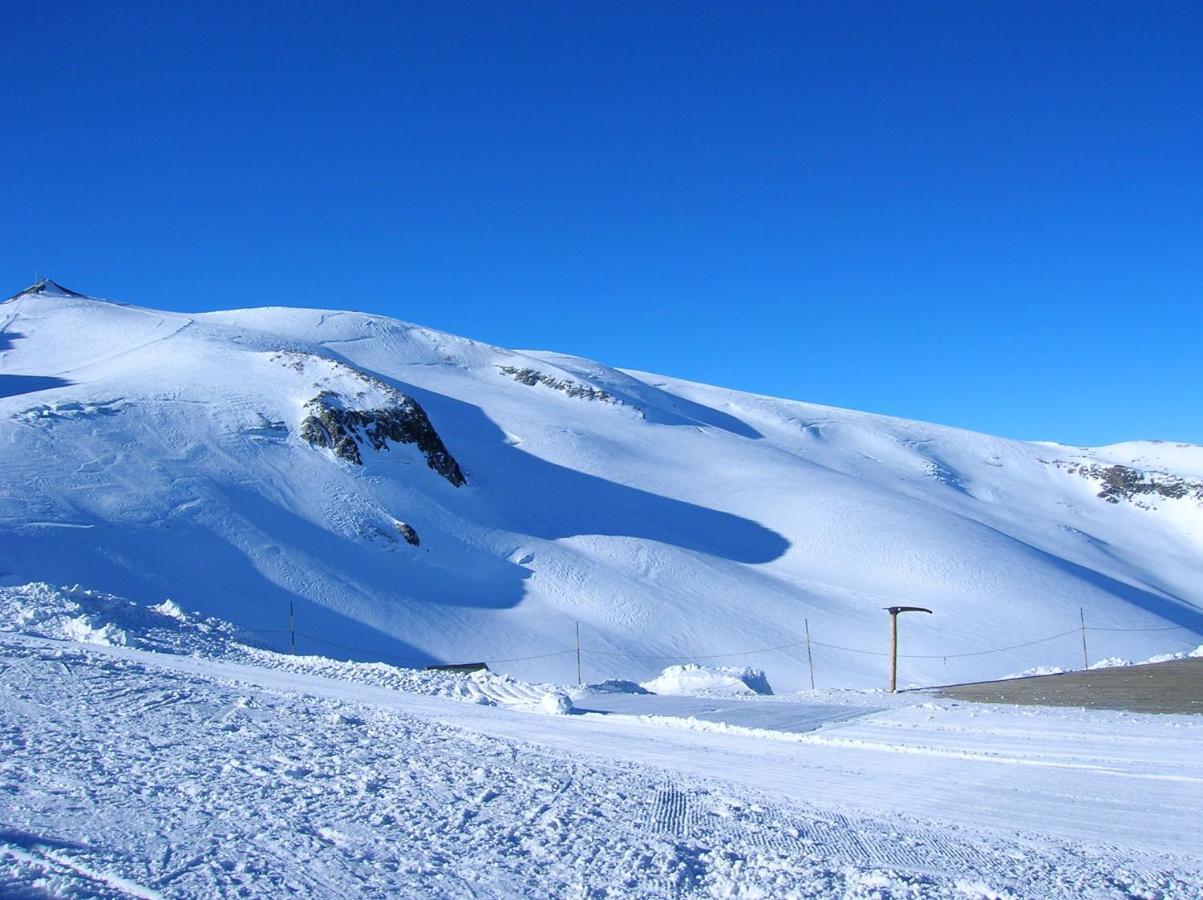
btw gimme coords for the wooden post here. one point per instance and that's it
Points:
(893, 650)
(809, 658)
(292, 630)
(578, 654)
(1085, 658)
(894, 611)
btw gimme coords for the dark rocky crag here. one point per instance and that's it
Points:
(564, 385)
(1125, 483)
(332, 424)
(407, 532)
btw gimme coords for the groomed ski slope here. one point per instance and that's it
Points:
(146, 752)
(129, 773)
(154, 454)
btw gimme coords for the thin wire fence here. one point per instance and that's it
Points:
(622, 654)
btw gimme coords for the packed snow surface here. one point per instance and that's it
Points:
(181, 763)
(410, 496)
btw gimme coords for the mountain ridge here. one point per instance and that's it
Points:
(162, 454)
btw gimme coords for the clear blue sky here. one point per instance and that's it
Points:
(983, 214)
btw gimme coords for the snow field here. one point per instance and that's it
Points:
(127, 773)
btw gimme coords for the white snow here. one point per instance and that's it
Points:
(702, 681)
(152, 454)
(128, 772)
(695, 535)
(555, 703)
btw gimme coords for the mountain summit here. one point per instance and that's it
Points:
(413, 495)
(47, 287)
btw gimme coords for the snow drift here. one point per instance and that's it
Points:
(712, 681)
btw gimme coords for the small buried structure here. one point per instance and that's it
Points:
(459, 667)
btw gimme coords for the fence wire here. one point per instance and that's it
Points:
(420, 661)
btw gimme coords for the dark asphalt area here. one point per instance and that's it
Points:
(1167, 687)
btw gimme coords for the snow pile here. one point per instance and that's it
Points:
(701, 681)
(1113, 662)
(82, 630)
(93, 617)
(555, 703)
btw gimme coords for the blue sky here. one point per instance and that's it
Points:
(982, 214)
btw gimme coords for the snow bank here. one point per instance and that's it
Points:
(1112, 662)
(1037, 670)
(695, 680)
(92, 617)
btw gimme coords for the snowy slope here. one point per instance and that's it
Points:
(153, 454)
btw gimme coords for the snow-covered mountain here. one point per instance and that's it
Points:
(417, 495)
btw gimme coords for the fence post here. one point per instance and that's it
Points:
(578, 654)
(292, 630)
(1085, 658)
(809, 658)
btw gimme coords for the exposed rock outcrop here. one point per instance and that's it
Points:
(1125, 483)
(334, 424)
(407, 532)
(564, 385)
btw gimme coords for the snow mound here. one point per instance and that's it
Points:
(82, 630)
(723, 681)
(555, 703)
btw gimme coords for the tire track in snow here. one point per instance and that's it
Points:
(672, 812)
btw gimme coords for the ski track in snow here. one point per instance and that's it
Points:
(127, 773)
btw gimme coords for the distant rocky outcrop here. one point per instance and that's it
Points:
(564, 385)
(407, 532)
(1125, 483)
(334, 424)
